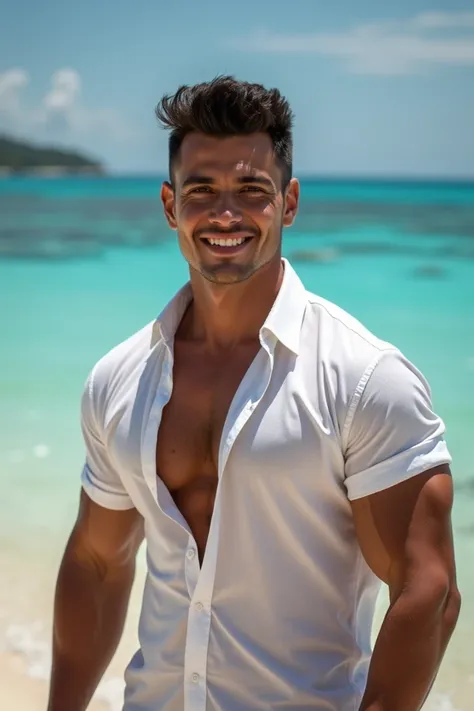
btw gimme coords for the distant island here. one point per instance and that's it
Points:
(20, 157)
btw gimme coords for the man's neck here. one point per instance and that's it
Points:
(224, 316)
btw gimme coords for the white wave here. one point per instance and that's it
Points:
(26, 642)
(110, 691)
(440, 702)
(41, 451)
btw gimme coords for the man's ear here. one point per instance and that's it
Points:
(292, 198)
(167, 198)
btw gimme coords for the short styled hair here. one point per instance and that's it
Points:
(227, 107)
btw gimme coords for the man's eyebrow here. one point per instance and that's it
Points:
(247, 179)
(255, 179)
(198, 180)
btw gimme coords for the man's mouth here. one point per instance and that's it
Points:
(226, 241)
(226, 244)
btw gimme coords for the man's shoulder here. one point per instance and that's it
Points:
(340, 328)
(343, 352)
(123, 360)
(340, 346)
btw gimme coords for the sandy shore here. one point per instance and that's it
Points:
(25, 632)
(18, 692)
(25, 664)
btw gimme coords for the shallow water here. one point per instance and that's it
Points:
(85, 262)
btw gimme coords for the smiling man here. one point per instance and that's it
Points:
(279, 459)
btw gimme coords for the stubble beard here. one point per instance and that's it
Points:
(226, 274)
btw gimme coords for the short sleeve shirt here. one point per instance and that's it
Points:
(279, 614)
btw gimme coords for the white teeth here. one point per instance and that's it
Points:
(226, 242)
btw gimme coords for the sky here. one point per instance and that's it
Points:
(377, 89)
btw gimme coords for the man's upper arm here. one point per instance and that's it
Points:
(109, 529)
(397, 475)
(100, 478)
(106, 538)
(406, 529)
(393, 432)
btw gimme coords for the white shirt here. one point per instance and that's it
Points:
(279, 615)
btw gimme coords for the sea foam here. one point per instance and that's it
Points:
(26, 642)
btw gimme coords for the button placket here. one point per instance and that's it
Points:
(246, 412)
(195, 659)
(201, 588)
(148, 444)
(191, 568)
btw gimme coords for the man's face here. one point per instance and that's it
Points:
(228, 206)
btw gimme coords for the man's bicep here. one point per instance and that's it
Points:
(109, 538)
(406, 530)
(100, 478)
(393, 434)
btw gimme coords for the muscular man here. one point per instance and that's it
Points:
(279, 459)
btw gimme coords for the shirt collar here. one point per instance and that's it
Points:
(286, 315)
(284, 320)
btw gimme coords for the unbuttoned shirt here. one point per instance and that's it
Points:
(279, 614)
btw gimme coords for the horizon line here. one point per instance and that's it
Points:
(380, 178)
(324, 177)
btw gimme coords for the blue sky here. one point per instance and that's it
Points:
(377, 89)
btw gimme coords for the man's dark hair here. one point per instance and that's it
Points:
(227, 107)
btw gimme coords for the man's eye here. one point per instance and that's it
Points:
(200, 189)
(252, 189)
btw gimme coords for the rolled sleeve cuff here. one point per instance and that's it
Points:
(416, 460)
(118, 501)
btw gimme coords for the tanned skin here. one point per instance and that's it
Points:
(233, 187)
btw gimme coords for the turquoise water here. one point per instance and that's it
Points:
(85, 262)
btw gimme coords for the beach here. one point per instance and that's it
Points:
(85, 262)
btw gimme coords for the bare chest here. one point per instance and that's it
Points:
(189, 436)
(193, 420)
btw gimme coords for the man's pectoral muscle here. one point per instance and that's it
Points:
(405, 535)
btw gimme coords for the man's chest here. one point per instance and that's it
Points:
(192, 422)
(267, 425)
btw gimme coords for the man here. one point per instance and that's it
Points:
(280, 460)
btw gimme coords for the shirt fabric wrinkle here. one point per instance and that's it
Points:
(212, 636)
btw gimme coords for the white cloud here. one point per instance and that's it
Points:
(385, 47)
(444, 20)
(60, 114)
(11, 83)
(64, 92)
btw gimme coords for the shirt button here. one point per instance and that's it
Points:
(195, 677)
(199, 606)
(191, 553)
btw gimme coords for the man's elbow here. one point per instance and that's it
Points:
(431, 595)
(446, 595)
(452, 607)
(442, 601)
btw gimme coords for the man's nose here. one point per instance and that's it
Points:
(225, 213)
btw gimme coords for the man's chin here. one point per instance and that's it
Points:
(227, 273)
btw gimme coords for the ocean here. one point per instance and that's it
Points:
(84, 262)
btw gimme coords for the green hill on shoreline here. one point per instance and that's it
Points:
(19, 156)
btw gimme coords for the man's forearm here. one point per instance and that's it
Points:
(89, 615)
(409, 649)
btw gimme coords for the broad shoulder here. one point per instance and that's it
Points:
(121, 364)
(331, 318)
(340, 345)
